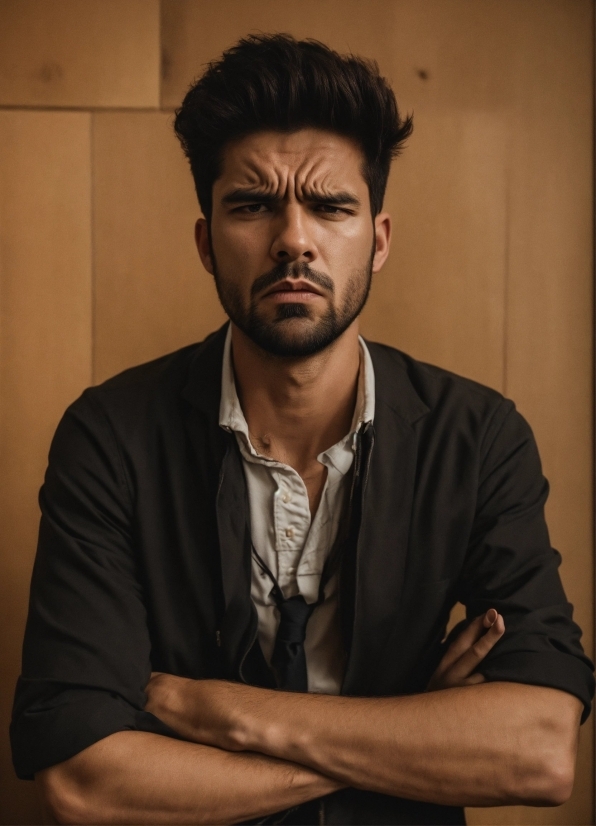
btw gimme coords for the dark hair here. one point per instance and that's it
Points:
(276, 82)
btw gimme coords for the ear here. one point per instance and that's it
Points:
(203, 244)
(382, 240)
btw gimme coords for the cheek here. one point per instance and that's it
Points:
(349, 245)
(241, 242)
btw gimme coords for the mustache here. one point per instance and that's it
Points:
(296, 269)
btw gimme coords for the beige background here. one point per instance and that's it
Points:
(490, 273)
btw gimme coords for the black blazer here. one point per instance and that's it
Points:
(143, 560)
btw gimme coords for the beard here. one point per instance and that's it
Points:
(279, 336)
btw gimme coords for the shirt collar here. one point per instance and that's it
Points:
(232, 418)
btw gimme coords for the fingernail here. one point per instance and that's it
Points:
(491, 616)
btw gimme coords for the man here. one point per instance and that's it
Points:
(249, 549)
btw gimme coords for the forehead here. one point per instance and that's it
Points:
(308, 155)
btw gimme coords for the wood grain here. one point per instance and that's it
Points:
(45, 356)
(441, 295)
(445, 53)
(82, 53)
(549, 337)
(151, 292)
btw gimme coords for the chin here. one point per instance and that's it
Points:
(292, 339)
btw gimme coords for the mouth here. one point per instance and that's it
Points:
(293, 291)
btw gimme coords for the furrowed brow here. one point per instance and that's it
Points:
(332, 198)
(245, 196)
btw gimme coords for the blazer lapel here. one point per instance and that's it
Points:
(387, 493)
(226, 483)
(239, 623)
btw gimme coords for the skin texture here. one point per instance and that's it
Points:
(435, 747)
(285, 206)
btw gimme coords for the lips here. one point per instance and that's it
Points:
(299, 286)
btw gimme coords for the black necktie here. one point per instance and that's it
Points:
(288, 660)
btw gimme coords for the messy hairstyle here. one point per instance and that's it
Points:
(275, 82)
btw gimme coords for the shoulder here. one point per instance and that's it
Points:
(149, 398)
(440, 391)
(168, 372)
(163, 380)
(431, 382)
(445, 408)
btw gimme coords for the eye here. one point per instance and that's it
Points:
(251, 209)
(333, 210)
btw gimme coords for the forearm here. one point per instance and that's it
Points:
(137, 777)
(468, 746)
(490, 744)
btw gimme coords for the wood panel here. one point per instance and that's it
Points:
(442, 53)
(549, 356)
(151, 293)
(196, 31)
(550, 306)
(441, 294)
(45, 357)
(79, 53)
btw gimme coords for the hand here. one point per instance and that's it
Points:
(467, 651)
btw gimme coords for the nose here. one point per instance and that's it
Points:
(292, 240)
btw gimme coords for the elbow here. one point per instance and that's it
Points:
(61, 796)
(548, 773)
(550, 785)
(560, 786)
(546, 768)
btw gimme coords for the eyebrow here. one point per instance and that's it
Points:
(243, 196)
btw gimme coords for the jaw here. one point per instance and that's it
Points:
(288, 327)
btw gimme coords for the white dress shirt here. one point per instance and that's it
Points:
(294, 546)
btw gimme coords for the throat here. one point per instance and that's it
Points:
(310, 470)
(295, 411)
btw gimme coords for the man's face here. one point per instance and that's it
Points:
(292, 245)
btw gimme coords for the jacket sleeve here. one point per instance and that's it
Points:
(511, 566)
(86, 655)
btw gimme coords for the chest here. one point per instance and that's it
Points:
(194, 546)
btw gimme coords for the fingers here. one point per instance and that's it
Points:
(464, 641)
(462, 670)
(467, 651)
(489, 618)
(474, 679)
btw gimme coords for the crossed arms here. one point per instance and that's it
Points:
(248, 752)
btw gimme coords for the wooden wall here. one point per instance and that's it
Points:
(490, 273)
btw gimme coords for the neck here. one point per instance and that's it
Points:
(297, 408)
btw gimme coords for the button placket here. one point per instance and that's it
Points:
(279, 512)
(291, 511)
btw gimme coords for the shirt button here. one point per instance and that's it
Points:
(286, 497)
(289, 532)
(291, 570)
